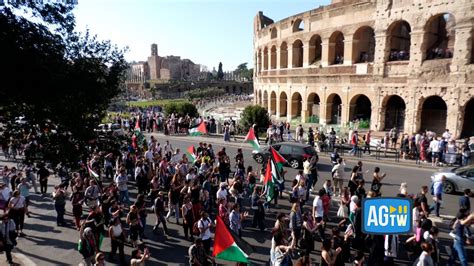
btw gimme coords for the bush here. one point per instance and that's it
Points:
(181, 109)
(364, 123)
(254, 114)
(205, 93)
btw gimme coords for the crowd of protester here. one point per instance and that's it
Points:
(190, 191)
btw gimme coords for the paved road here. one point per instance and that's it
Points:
(47, 244)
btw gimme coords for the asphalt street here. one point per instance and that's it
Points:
(48, 244)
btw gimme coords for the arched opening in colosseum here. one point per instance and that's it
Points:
(296, 105)
(283, 55)
(468, 125)
(360, 108)
(283, 104)
(336, 48)
(433, 114)
(265, 99)
(439, 37)
(259, 61)
(315, 50)
(313, 105)
(297, 54)
(265, 58)
(364, 45)
(334, 109)
(298, 25)
(273, 57)
(273, 103)
(394, 107)
(398, 39)
(274, 33)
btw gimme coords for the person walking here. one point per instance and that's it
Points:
(59, 197)
(367, 139)
(338, 176)
(159, 209)
(438, 192)
(16, 208)
(8, 237)
(43, 175)
(117, 240)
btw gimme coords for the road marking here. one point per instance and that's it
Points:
(22, 259)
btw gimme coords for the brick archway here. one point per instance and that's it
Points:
(468, 125)
(333, 109)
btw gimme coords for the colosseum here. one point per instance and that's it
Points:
(397, 63)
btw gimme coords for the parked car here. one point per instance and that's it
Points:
(293, 152)
(115, 129)
(457, 178)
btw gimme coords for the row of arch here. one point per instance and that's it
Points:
(438, 42)
(432, 110)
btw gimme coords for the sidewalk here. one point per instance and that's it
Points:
(218, 139)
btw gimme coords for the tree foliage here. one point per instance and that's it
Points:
(220, 72)
(254, 114)
(244, 72)
(61, 81)
(181, 109)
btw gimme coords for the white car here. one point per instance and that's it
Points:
(457, 179)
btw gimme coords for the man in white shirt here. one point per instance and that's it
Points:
(338, 176)
(447, 135)
(121, 181)
(191, 175)
(434, 147)
(222, 192)
(168, 147)
(204, 225)
(318, 212)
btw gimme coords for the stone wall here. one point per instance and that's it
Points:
(401, 63)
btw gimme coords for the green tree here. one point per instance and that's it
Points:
(181, 109)
(220, 72)
(61, 81)
(254, 114)
(244, 72)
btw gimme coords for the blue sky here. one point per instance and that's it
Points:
(205, 31)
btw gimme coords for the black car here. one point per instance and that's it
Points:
(293, 152)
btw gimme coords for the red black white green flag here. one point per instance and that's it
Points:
(277, 159)
(228, 246)
(191, 153)
(199, 130)
(252, 139)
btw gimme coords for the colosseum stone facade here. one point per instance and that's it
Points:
(398, 63)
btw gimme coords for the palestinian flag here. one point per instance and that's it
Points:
(228, 246)
(92, 173)
(268, 181)
(250, 138)
(199, 130)
(191, 153)
(277, 159)
(137, 124)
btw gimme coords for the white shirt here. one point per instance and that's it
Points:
(306, 165)
(5, 193)
(434, 145)
(190, 177)
(318, 204)
(202, 224)
(222, 194)
(338, 170)
(149, 155)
